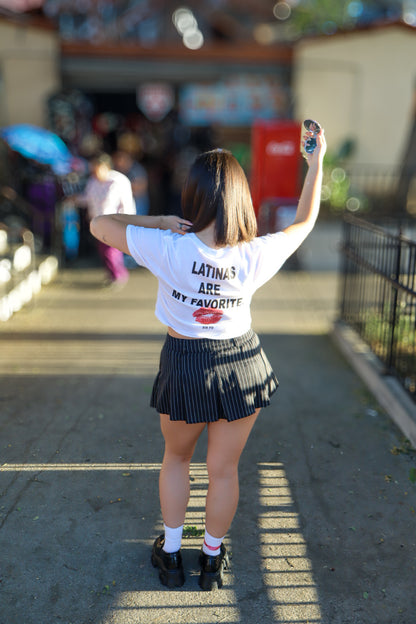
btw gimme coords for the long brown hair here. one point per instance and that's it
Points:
(216, 189)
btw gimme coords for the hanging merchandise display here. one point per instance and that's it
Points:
(235, 102)
(155, 99)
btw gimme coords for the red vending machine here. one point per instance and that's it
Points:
(275, 165)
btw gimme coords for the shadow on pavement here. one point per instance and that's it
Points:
(326, 517)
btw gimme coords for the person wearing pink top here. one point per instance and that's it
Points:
(108, 192)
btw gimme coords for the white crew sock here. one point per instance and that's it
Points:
(212, 545)
(173, 539)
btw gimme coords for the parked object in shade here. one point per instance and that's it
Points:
(40, 145)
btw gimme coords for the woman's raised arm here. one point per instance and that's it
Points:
(310, 198)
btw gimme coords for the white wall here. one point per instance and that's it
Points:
(29, 72)
(360, 85)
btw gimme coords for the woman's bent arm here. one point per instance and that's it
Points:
(111, 229)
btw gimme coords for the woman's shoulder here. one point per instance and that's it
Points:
(260, 241)
(269, 238)
(164, 240)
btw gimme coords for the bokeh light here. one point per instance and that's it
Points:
(353, 204)
(355, 9)
(325, 193)
(338, 174)
(282, 10)
(187, 26)
(264, 34)
(409, 17)
(184, 20)
(193, 39)
(329, 27)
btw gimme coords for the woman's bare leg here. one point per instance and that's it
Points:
(180, 441)
(226, 441)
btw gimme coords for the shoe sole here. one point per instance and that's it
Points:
(169, 578)
(208, 580)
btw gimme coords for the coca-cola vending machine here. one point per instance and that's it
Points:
(276, 166)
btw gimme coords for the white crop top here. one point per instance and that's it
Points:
(205, 292)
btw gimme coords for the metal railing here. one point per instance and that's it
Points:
(378, 297)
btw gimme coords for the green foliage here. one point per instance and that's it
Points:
(326, 16)
(310, 16)
(376, 329)
(192, 531)
(338, 194)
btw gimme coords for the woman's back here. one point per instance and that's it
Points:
(205, 292)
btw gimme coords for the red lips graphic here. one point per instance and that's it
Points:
(207, 316)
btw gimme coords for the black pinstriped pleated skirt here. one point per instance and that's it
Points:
(204, 380)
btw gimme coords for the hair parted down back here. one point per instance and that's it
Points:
(216, 189)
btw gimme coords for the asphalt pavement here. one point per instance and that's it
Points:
(325, 531)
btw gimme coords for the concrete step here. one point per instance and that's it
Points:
(24, 285)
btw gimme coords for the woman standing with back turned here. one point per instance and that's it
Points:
(213, 372)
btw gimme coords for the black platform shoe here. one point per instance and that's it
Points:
(212, 568)
(170, 564)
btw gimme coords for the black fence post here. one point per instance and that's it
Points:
(345, 246)
(394, 315)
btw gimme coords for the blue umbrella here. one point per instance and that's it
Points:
(40, 145)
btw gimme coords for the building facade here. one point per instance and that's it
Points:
(29, 70)
(361, 86)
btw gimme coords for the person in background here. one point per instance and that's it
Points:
(108, 192)
(213, 372)
(124, 162)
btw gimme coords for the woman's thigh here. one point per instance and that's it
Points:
(180, 437)
(226, 441)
